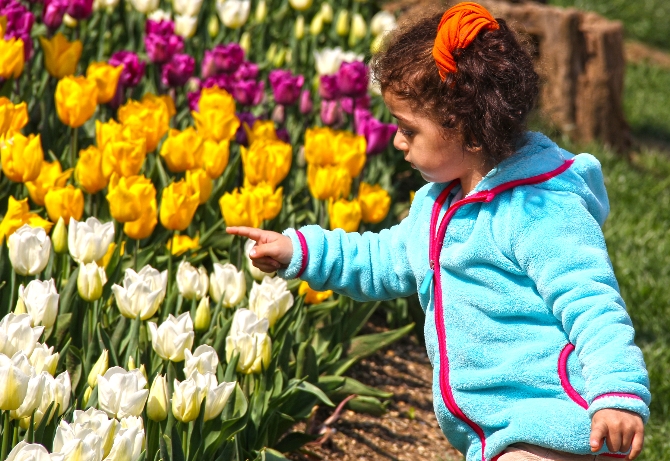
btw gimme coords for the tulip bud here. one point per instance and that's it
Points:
(280, 58)
(90, 281)
(358, 29)
(131, 363)
(158, 399)
(342, 26)
(29, 250)
(87, 395)
(99, 368)
(376, 44)
(300, 27)
(272, 51)
(279, 114)
(306, 104)
(203, 315)
(245, 42)
(213, 26)
(300, 5)
(20, 307)
(59, 237)
(316, 26)
(326, 12)
(261, 11)
(69, 21)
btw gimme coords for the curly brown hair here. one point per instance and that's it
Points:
(487, 99)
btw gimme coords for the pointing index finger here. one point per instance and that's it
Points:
(249, 232)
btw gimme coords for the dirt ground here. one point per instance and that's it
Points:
(407, 432)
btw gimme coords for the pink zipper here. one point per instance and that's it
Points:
(434, 250)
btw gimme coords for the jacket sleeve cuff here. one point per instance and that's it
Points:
(300, 256)
(621, 401)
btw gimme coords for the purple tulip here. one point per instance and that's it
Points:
(193, 100)
(282, 135)
(53, 13)
(377, 134)
(161, 48)
(248, 119)
(178, 70)
(285, 86)
(225, 82)
(164, 28)
(19, 19)
(360, 103)
(222, 59)
(80, 9)
(119, 97)
(352, 79)
(248, 92)
(331, 112)
(328, 88)
(247, 71)
(133, 68)
(306, 104)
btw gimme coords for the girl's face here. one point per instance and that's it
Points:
(440, 155)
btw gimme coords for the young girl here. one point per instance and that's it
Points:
(530, 342)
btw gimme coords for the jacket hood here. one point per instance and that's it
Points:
(540, 155)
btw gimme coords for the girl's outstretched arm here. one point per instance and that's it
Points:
(273, 251)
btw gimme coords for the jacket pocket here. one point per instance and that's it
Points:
(565, 379)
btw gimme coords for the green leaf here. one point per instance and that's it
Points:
(369, 405)
(306, 366)
(177, 452)
(357, 320)
(294, 441)
(195, 440)
(315, 391)
(339, 387)
(233, 419)
(39, 432)
(106, 343)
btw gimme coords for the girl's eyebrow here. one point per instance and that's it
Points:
(399, 117)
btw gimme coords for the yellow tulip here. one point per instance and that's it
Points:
(178, 204)
(106, 78)
(266, 160)
(271, 199)
(319, 146)
(108, 131)
(64, 202)
(21, 157)
(104, 261)
(216, 99)
(11, 58)
(375, 203)
(241, 208)
(216, 118)
(17, 215)
(143, 227)
(215, 157)
(313, 296)
(123, 157)
(350, 150)
(200, 182)
(61, 56)
(182, 150)
(326, 182)
(262, 129)
(88, 170)
(51, 175)
(345, 214)
(13, 117)
(76, 100)
(3, 25)
(165, 99)
(149, 117)
(411, 196)
(180, 244)
(127, 197)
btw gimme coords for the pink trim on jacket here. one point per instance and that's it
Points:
(563, 376)
(435, 248)
(305, 253)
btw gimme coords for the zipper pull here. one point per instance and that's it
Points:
(427, 280)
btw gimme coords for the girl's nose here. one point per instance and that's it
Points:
(399, 142)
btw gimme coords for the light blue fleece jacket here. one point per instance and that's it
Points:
(524, 279)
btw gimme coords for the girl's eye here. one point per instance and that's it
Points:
(406, 133)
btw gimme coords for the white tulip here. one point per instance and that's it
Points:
(192, 282)
(128, 445)
(40, 300)
(227, 285)
(109, 5)
(185, 26)
(122, 393)
(56, 390)
(99, 368)
(158, 399)
(233, 13)
(359, 28)
(145, 6)
(261, 11)
(142, 292)
(187, 7)
(248, 337)
(14, 379)
(326, 12)
(17, 334)
(25, 451)
(29, 249)
(271, 299)
(43, 359)
(382, 22)
(159, 15)
(90, 281)
(98, 422)
(203, 360)
(187, 398)
(300, 5)
(173, 337)
(33, 396)
(255, 272)
(217, 396)
(328, 60)
(71, 444)
(89, 240)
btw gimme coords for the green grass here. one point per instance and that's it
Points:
(647, 100)
(644, 20)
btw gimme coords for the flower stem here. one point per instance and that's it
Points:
(73, 145)
(5, 436)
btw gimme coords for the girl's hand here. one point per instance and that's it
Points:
(272, 250)
(623, 430)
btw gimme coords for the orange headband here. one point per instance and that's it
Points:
(459, 26)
